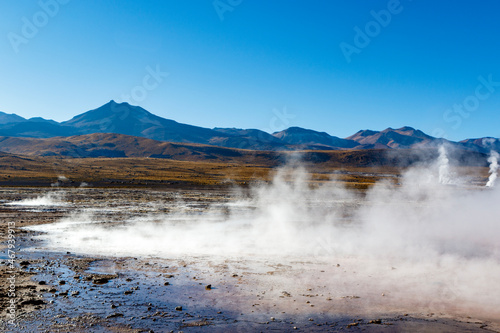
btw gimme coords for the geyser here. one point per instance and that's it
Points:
(493, 160)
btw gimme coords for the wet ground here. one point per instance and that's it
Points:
(64, 289)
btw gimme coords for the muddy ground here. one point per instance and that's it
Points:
(61, 291)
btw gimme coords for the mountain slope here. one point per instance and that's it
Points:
(35, 129)
(115, 145)
(309, 139)
(404, 137)
(253, 134)
(248, 139)
(482, 145)
(6, 118)
(43, 120)
(124, 118)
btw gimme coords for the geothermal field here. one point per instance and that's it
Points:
(416, 252)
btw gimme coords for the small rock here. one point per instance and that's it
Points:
(208, 287)
(100, 280)
(178, 308)
(115, 315)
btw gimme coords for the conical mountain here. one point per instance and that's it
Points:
(123, 118)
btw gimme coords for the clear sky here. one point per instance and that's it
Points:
(334, 66)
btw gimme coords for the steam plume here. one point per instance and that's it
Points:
(48, 199)
(493, 160)
(444, 166)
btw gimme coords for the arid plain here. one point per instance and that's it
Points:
(138, 245)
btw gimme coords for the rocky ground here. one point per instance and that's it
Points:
(62, 291)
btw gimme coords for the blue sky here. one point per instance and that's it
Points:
(259, 64)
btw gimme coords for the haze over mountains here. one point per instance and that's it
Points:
(20, 135)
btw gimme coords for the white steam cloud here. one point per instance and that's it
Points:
(287, 217)
(444, 166)
(493, 160)
(437, 236)
(48, 199)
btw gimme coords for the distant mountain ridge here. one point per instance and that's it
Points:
(106, 145)
(129, 120)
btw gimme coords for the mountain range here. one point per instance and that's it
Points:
(131, 125)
